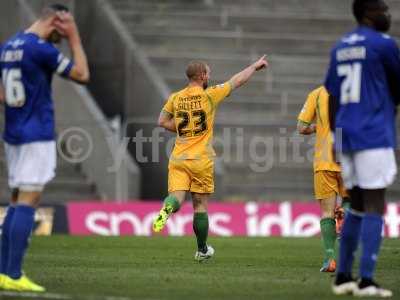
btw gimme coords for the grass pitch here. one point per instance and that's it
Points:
(164, 268)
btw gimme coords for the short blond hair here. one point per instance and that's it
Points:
(195, 69)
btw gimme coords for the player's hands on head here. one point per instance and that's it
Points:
(262, 63)
(65, 25)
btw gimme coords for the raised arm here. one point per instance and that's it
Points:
(242, 77)
(167, 121)
(66, 25)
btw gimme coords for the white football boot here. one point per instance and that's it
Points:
(202, 256)
(346, 288)
(344, 285)
(372, 289)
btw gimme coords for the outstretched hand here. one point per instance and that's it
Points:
(262, 63)
(242, 77)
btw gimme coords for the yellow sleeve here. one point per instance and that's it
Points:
(169, 106)
(219, 92)
(308, 113)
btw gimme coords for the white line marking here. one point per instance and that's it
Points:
(389, 248)
(53, 296)
(35, 295)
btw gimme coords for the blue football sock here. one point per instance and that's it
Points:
(371, 238)
(349, 241)
(5, 239)
(20, 232)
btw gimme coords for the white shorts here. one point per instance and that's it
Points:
(31, 166)
(369, 169)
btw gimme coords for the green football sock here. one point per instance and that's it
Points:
(200, 228)
(173, 202)
(328, 233)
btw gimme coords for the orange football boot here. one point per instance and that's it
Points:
(329, 266)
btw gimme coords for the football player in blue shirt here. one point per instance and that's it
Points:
(363, 78)
(28, 61)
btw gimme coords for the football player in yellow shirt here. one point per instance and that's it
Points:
(190, 113)
(328, 183)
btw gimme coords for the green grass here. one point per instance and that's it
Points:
(163, 268)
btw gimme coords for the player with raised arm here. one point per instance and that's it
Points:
(363, 77)
(190, 113)
(328, 183)
(28, 61)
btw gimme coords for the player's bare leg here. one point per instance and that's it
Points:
(328, 233)
(200, 226)
(171, 205)
(19, 233)
(340, 212)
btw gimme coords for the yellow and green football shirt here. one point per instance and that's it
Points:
(316, 109)
(193, 110)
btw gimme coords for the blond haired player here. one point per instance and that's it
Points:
(328, 183)
(191, 113)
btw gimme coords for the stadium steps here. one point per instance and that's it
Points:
(258, 86)
(178, 21)
(311, 7)
(265, 183)
(236, 41)
(297, 36)
(271, 23)
(254, 111)
(226, 64)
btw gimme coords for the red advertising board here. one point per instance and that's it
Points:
(290, 219)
